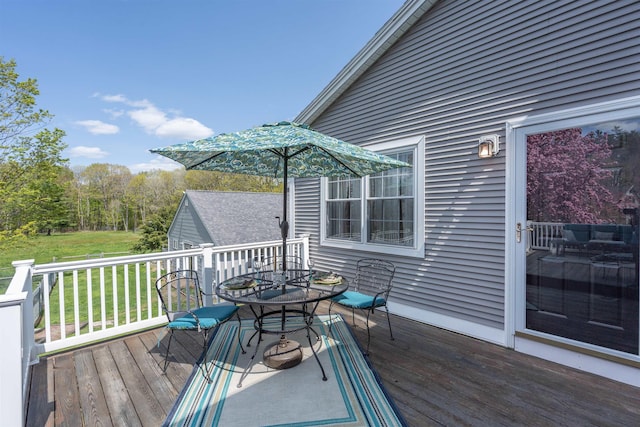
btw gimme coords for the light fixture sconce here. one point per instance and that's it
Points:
(488, 146)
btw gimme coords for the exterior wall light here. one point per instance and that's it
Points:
(488, 146)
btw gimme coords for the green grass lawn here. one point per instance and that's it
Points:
(64, 247)
(80, 245)
(73, 247)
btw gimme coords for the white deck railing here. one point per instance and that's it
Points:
(541, 233)
(91, 300)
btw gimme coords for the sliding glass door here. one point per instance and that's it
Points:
(582, 216)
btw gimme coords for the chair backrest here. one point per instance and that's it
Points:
(374, 276)
(179, 292)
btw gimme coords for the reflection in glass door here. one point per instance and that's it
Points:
(583, 211)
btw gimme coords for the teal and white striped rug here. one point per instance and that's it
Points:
(351, 396)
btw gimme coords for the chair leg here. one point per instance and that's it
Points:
(330, 321)
(240, 327)
(166, 355)
(389, 322)
(202, 364)
(205, 336)
(369, 311)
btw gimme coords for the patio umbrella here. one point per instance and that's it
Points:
(280, 150)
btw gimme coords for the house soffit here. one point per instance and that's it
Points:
(384, 38)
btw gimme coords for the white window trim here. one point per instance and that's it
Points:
(417, 250)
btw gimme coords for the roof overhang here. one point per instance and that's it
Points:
(395, 27)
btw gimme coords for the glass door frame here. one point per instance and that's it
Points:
(516, 211)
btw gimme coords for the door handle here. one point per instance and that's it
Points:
(518, 232)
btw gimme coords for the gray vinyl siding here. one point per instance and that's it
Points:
(462, 71)
(187, 226)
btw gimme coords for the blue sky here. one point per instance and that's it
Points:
(124, 76)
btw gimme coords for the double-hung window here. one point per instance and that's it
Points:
(381, 212)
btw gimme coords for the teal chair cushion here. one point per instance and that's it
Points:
(358, 300)
(208, 316)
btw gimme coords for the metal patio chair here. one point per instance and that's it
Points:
(182, 301)
(369, 290)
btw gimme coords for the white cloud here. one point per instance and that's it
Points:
(149, 118)
(88, 152)
(154, 121)
(158, 163)
(183, 127)
(113, 113)
(114, 98)
(98, 127)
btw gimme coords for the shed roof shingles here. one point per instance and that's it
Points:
(238, 217)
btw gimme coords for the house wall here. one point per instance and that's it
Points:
(462, 71)
(187, 227)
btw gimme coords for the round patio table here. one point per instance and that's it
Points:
(276, 295)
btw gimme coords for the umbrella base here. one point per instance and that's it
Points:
(283, 354)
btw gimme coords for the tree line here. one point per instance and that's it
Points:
(41, 193)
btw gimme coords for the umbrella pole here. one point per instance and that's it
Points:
(284, 225)
(285, 353)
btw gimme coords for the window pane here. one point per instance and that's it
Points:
(405, 184)
(343, 188)
(390, 222)
(390, 205)
(375, 186)
(354, 188)
(343, 220)
(391, 188)
(332, 189)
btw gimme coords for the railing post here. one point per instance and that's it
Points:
(17, 337)
(305, 250)
(207, 272)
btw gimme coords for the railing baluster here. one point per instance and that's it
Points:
(47, 312)
(127, 302)
(138, 297)
(114, 281)
(90, 299)
(76, 303)
(103, 301)
(63, 332)
(149, 294)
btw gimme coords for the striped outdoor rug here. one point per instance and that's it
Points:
(351, 396)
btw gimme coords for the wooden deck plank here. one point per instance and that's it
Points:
(40, 411)
(161, 387)
(121, 408)
(143, 398)
(177, 372)
(92, 400)
(435, 377)
(67, 400)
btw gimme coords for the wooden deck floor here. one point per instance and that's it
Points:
(435, 378)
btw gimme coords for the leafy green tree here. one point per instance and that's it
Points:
(153, 236)
(30, 159)
(18, 115)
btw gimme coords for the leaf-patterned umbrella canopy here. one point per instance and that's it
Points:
(279, 150)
